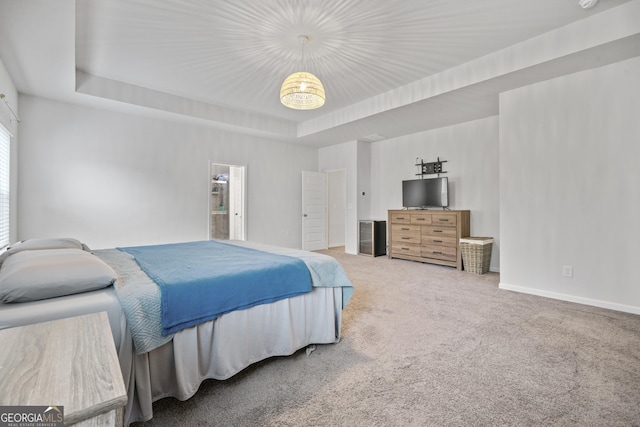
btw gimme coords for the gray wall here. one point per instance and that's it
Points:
(471, 152)
(112, 179)
(570, 187)
(553, 178)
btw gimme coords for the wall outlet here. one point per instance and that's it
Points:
(567, 271)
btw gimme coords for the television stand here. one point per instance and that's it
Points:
(428, 236)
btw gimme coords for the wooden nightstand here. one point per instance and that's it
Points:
(68, 362)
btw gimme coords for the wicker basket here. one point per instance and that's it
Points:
(476, 254)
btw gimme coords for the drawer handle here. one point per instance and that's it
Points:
(437, 231)
(404, 229)
(406, 238)
(437, 241)
(443, 219)
(405, 249)
(400, 217)
(419, 219)
(436, 253)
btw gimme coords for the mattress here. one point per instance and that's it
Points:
(26, 313)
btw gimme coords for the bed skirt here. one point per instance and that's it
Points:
(223, 347)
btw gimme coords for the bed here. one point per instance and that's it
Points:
(160, 362)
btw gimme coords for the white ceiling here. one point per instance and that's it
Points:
(222, 62)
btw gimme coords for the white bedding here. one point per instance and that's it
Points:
(26, 313)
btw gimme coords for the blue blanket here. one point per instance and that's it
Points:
(200, 281)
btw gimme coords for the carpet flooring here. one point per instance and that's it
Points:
(426, 345)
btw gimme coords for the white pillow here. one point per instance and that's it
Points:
(32, 275)
(37, 244)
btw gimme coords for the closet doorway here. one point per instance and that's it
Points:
(227, 192)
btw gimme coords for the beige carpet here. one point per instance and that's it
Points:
(426, 345)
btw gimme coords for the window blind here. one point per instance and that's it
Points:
(5, 175)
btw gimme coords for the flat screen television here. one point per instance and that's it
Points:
(425, 193)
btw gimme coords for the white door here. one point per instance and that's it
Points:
(236, 202)
(314, 211)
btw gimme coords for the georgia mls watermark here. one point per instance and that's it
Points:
(31, 416)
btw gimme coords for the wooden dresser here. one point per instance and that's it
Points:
(428, 235)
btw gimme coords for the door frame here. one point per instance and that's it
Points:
(243, 197)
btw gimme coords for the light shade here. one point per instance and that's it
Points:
(302, 91)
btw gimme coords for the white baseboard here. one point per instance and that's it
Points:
(571, 298)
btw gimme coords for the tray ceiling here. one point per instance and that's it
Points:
(230, 58)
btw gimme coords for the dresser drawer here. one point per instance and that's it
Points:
(438, 240)
(401, 218)
(444, 219)
(402, 248)
(405, 233)
(421, 219)
(439, 252)
(439, 231)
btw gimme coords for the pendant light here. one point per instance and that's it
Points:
(302, 90)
